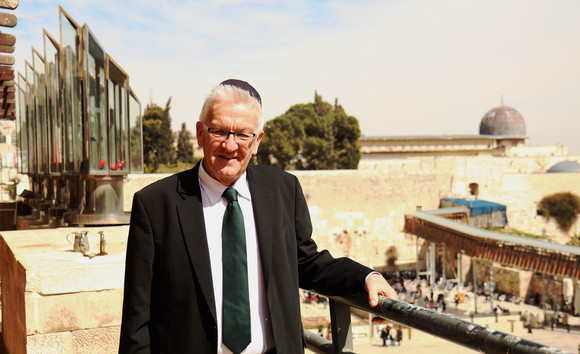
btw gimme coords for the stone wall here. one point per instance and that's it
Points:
(369, 204)
(13, 277)
(533, 151)
(399, 186)
(507, 280)
(551, 287)
(526, 284)
(55, 300)
(136, 182)
(372, 204)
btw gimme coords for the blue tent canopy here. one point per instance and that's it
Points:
(479, 207)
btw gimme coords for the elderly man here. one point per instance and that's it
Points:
(216, 254)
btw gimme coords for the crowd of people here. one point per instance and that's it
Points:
(394, 335)
(410, 288)
(415, 290)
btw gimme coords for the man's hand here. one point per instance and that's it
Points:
(376, 285)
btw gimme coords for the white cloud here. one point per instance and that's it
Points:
(400, 67)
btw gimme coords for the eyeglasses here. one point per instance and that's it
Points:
(223, 135)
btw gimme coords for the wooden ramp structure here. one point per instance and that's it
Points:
(509, 250)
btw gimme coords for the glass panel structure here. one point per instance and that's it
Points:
(22, 125)
(79, 129)
(30, 109)
(71, 94)
(136, 134)
(118, 118)
(96, 106)
(40, 111)
(77, 114)
(17, 100)
(52, 63)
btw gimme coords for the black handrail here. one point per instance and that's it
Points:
(464, 333)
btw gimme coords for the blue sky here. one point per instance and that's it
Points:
(400, 67)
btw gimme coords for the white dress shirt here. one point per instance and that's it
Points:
(214, 207)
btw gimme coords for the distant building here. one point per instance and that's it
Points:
(8, 156)
(565, 167)
(502, 132)
(482, 166)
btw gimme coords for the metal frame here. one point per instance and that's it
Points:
(82, 186)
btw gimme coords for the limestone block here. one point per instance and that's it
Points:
(90, 341)
(465, 266)
(96, 340)
(66, 312)
(50, 343)
(106, 272)
(515, 182)
(49, 291)
(134, 183)
(525, 280)
(13, 277)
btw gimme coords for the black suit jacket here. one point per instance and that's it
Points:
(169, 305)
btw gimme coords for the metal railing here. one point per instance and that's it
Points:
(470, 335)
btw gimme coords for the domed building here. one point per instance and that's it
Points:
(501, 129)
(567, 166)
(503, 121)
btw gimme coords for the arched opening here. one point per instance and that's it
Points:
(474, 189)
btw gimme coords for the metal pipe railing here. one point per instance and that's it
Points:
(464, 333)
(320, 345)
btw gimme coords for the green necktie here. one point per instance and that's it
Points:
(236, 333)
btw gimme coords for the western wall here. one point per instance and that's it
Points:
(360, 213)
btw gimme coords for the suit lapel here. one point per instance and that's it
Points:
(191, 219)
(262, 203)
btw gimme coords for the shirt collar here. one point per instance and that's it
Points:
(215, 189)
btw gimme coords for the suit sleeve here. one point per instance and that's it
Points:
(135, 335)
(318, 270)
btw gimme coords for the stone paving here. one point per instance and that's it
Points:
(424, 342)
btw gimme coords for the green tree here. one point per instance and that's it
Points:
(574, 241)
(157, 137)
(562, 207)
(184, 145)
(151, 136)
(166, 151)
(346, 132)
(311, 136)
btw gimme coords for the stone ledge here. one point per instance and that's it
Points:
(76, 311)
(52, 267)
(58, 301)
(89, 341)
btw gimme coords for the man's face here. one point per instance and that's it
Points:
(226, 160)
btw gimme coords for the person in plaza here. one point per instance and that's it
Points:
(216, 254)
(528, 321)
(566, 322)
(385, 335)
(399, 335)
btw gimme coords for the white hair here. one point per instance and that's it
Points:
(228, 93)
